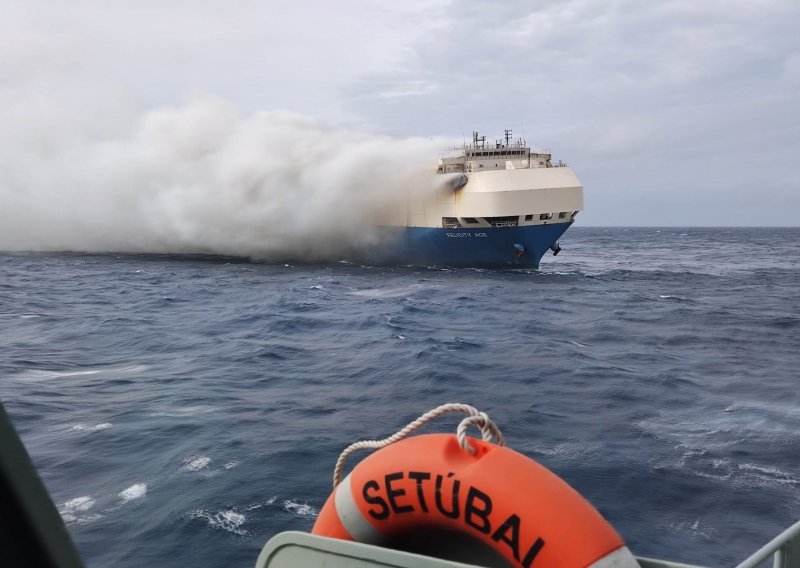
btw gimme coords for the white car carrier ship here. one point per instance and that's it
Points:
(499, 205)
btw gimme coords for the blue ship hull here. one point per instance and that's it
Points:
(466, 247)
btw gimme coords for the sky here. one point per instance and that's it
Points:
(672, 113)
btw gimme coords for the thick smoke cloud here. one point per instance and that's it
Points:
(200, 178)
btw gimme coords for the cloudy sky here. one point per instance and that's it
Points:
(681, 112)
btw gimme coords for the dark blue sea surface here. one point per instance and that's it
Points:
(182, 410)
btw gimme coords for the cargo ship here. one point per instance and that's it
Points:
(496, 205)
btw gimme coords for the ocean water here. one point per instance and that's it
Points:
(181, 410)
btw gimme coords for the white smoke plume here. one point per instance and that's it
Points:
(200, 178)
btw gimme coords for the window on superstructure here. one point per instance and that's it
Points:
(510, 221)
(450, 223)
(529, 217)
(545, 216)
(470, 220)
(562, 215)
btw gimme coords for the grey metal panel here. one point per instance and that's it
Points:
(303, 550)
(645, 562)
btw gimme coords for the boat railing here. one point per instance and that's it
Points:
(784, 549)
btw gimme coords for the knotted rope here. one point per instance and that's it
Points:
(475, 417)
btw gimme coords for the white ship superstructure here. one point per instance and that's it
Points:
(497, 204)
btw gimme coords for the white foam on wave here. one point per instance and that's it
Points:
(39, 374)
(704, 449)
(568, 451)
(701, 463)
(231, 465)
(74, 510)
(15, 315)
(719, 430)
(302, 509)
(135, 491)
(181, 411)
(195, 463)
(44, 375)
(390, 293)
(692, 527)
(80, 503)
(266, 503)
(768, 475)
(95, 428)
(773, 409)
(227, 520)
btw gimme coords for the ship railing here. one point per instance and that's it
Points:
(784, 550)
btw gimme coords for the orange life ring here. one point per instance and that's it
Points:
(517, 507)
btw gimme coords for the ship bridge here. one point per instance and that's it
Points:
(506, 154)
